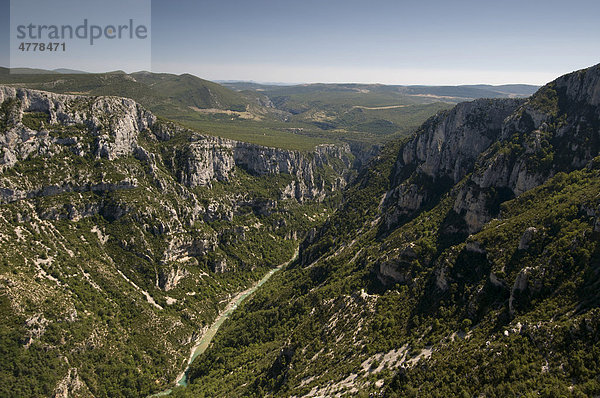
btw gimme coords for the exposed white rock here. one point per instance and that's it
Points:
(450, 143)
(445, 150)
(170, 280)
(471, 202)
(36, 327)
(71, 386)
(396, 267)
(501, 170)
(116, 123)
(527, 237)
(494, 280)
(521, 283)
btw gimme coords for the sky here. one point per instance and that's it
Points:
(429, 42)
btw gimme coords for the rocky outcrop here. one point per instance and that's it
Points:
(114, 122)
(110, 127)
(557, 129)
(442, 152)
(168, 280)
(181, 248)
(396, 267)
(505, 147)
(72, 386)
(527, 237)
(36, 327)
(205, 159)
(448, 144)
(525, 286)
(210, 158)
(582, 87)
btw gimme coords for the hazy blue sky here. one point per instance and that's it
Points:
(403, 42)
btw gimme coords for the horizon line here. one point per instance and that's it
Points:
(264, 83)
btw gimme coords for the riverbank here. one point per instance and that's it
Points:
(204, 341)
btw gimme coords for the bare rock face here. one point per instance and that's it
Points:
(503, 147)
(209, 158)
(443, 151)
(407, 198)
(555, 130)
(206, 159)
(308, 184)
(396, 267)
(472, 203)
(391, 271)
(582, 86)
(121, 137)
(450, 143)
(218, 211)
(181, 248)
(72, 386)
(115, 122)
(110, 128)
(169, 280)
(36, 327)
(527, 237)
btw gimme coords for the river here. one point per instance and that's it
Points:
(204, 341)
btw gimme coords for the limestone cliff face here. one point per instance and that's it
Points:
(210, 158)
(557, 129)
(115, 122)
(113, 127)
(448, 144)
(205, 159)
(444, 151)
(503, 147)
(582, 87)
(309, 184)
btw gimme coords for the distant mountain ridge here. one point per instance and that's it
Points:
(293, 117)
(168, 92)
(451, 93)
(33, 71)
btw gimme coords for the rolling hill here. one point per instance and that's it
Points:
(292, 117)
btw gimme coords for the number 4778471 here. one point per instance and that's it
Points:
(42, 47)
